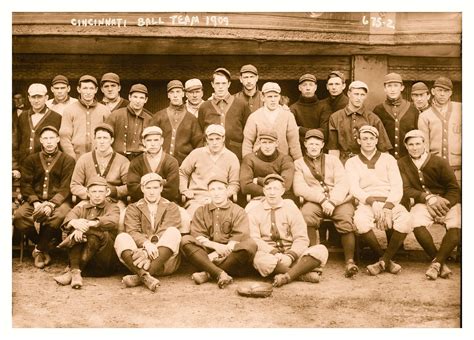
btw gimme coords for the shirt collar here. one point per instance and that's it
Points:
(132, 112)
(212, 206)
(94, 103)
(42, 111)
(225, 99)
(55, 102)
(360, 111)
(89, 205)
(267, 206)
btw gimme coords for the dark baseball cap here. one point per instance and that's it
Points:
(87, 78)
(273, 177)
(49, 128)
(106, 127)
(112, 77)
(60, 79)
(223, 70)
(314, 133)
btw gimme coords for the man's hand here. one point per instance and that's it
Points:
(189, 194)
(77, 235)
(140, 259)
(16, 174)
(255, 180)
(388, 218)
(379, 216)
(151, 249)
(36, 206)
(439, 205)
(222, 249)
(328, 208)
(80, 224)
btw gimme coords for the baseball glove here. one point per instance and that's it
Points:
(255, 289)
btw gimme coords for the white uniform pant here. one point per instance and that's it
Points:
(422, 218)
(364, 219)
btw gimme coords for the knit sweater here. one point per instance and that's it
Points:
(107, 215)
(257, 165)
(255, 102)
(377, 177)
(335, 178)
(128, 128)
(443, 132)
(336, 103)
(284, 125)
(77, 127)
(85, 169)
(434, 177)
(168, 169)
(311, 113)
(199, 167)
(398, 117)
(180, 137)
(234, 122)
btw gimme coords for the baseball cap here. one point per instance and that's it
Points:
(138, 88)
(268, 134)
(414, 133)
(37, 89)
(49, 128)
(96, 180)
(215, 128)
(339, 74)
(270, 86)
(150, 177)
(223, 70)
(86, 78)
(370, 129)
(314, 133)
(113, 77)
(271, 178)
(152, 130)
(392, 78)
(249, 68)
(443, 82)
(357, 84)
(174, 84)
(60, 79)
(106, 127)
(217, 178)
(192, 84)
(307, 77)
(419, 88)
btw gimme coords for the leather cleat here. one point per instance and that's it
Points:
(76, 279)
(200, 277)
(351, 269)
(433, 271)
(376, 268)
(445, 272)
(312, 277)
(132, 281)
(47, 259)
(64, 279)
(281, 279)
(38, 258)
(150, 282)
(224, 280)
(394, 268)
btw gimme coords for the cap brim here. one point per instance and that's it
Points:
(192, 88)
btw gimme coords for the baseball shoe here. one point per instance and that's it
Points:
(312, 277)
(76, 279)
(376, 268)
(47, 259)
(38, 257)
(150, 282)
(65, 278)
(281, 279)
(445, 272)
(200, 277)
(433, 271)
(131, 281)
(393, 268)
(224, 279)
(351, 269)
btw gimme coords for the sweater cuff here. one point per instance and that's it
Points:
(292, 254)
(274, 251)
(388, 205)
(370, 200)
(32, 199)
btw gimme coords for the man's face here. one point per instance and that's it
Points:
(313, 146)
(307, 88)
(87, 91)
(194, 96)
(137, 100)
(110, 90)
(18, 100)
(152, 191)
(273, 192)
(218, 192)
(153, 143)
(368, 142)
(49, 140)
(60, 91)
(268, 146)
(335, 86)
(221, 85)
(38, 101)
(97, 194)
(271, 100)
(249, 80)
(441, 94)
(420, 100)
(215, 143)
(415, 147)
(176, 96)
(393, 90)
(357, 97)
(103, 140)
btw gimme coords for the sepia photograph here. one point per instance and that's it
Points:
(236, 169)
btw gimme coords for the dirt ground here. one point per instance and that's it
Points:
(404, 300)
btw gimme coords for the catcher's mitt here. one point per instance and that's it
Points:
(255, 289)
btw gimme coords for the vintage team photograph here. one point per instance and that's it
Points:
(236, 170)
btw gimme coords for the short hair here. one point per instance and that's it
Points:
(220, 73)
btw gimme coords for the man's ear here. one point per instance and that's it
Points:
(108, 192)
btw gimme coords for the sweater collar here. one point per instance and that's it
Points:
(270, 158)
(394, 102)
(94, 103)
(212, 206)
(310, 100)
(370, 162)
